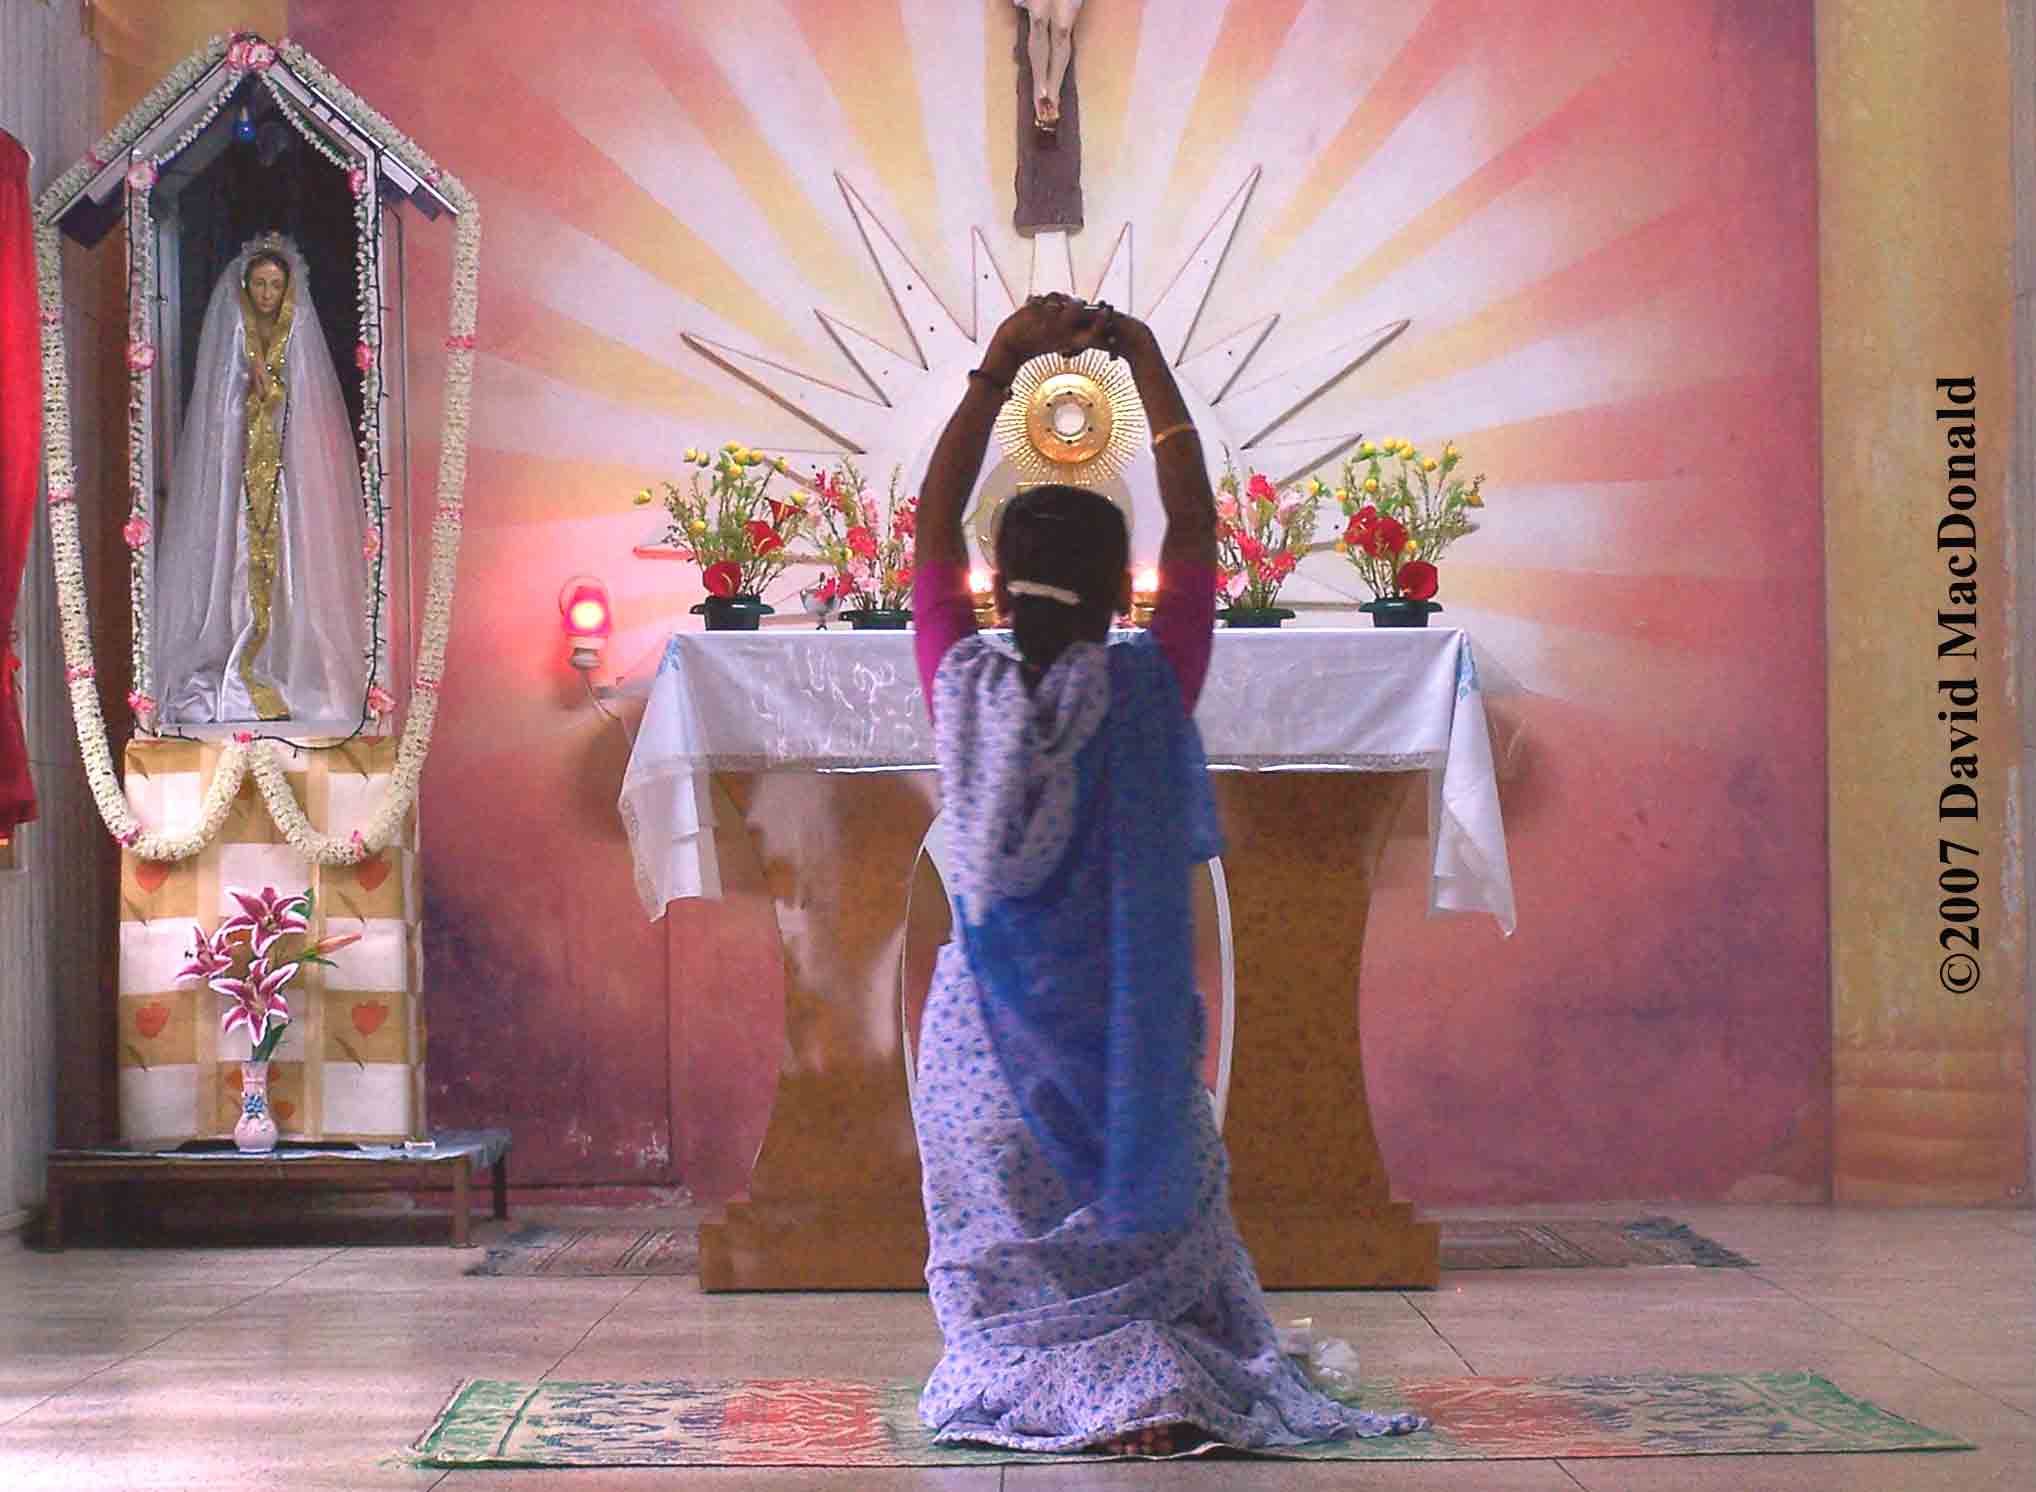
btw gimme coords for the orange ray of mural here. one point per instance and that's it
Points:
(859, 49)
(1244, 52)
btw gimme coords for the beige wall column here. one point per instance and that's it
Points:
(1930, 1002)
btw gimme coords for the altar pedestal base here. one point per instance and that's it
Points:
(834, 1200)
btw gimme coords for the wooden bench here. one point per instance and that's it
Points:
(366, 1167)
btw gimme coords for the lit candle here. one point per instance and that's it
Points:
(983, 596)
(1144, 591)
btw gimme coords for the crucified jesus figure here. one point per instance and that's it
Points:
(1049, 178)
(1050, 43)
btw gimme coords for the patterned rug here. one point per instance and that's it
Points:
(1467, 1243)
(818, 1422)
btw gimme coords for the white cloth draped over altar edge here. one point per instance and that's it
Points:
(1297, 699)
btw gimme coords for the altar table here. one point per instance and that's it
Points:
(796, 765)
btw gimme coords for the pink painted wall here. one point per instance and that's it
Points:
(1602, 226)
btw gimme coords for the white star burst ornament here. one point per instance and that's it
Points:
(903, 400)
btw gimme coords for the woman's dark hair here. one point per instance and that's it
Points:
(260, 257)
(1068, 537)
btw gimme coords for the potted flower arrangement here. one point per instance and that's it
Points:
(868, 552)
(727, 520)
(246, 962)
(1404, 509)
(1261, 534)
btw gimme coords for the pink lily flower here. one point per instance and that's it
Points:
(257, 1004)
(209, 956)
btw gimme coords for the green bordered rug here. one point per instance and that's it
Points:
(559, 1252)
(822, 1422)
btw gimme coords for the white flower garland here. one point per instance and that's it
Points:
(244, 755)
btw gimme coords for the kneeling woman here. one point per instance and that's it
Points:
(1087, 1276)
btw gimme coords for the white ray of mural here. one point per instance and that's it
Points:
(524, 412)
(578, 275)
(993, 298)
(1619, 528)
(1217, 364)
(1264, 407)
(1176, 310)
(1114, 283)
(1053, 265)
(936, 331)
(901, 403)
(632, 120)
(771, 68)
(947, 43)
(1327, 64)
(832, 410)
(1175, 45)
(1674, 342)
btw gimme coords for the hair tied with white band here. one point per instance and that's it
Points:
(1058, 593)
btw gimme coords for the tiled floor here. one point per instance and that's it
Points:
(311, 1367)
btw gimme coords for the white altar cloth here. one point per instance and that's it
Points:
(1332, 699)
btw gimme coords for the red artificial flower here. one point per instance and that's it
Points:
(902, 579)
(1358, 533)
(722, 578)
(905, 522)
(762, 537)
(1387, 540)
(1250, 548)
(780, 511)
(1282, 564)
(861, 542)
(1417, 580)
(1260, 489)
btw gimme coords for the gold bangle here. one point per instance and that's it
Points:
(1185, 427)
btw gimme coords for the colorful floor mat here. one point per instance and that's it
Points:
(816, 1422)
(1467, 1243)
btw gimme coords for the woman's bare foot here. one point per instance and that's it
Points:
(1153, 1440)
(1046, 112)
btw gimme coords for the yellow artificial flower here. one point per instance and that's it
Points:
(692, 454)
(1450, 452)
(1314, 486)
(1371, 484)
(1366, 448)
(1341, 547)
(1473, 499)
(642, 499)
(1430, 464)
(732, 446)
(1411, 549)
(697, 526)
(1342, 495)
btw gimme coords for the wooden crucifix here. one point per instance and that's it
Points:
(1049, 178)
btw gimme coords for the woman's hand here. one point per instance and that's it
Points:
(1044, 324)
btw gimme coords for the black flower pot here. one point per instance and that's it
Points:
(879, 619)
(1254, 616)
(737, 613)
(1398, 611)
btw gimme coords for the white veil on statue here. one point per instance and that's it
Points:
(220, 654)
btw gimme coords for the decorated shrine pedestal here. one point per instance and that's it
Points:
(834, 1201)
(351, 1062)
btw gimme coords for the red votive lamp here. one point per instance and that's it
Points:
(585, 615)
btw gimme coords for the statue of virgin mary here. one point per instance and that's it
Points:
(259, 567)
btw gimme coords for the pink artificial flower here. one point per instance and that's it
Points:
(460, 344)
(79, 673)
(371, 546)
(265, 909)
(257, 1003)
(142, 704)
(141, 175)
(135, 531)
(1260, 489)
(1226, 508)
(128, 838)
(363, 356)
(61, 493)
(1289, 506)
(905, 522)
(357, 181)
(861, 542)
(261, 56)
(380, 701)
(209, 956)
(244, 737)
(141, 356)
(236, 55)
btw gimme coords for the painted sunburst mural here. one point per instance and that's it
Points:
(1579, 241)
